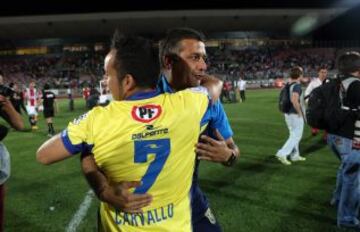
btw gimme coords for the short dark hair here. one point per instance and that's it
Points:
(136, 56)
(348, 62)
(169, 45)
(46, 86)
(296, 72)
(322, 67)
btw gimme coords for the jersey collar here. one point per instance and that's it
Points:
(163, 85)
(143, 95)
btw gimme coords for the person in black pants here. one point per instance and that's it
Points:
(71, 99)
(17, 98)
(49, 103)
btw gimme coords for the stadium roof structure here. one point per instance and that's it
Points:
(35, 21)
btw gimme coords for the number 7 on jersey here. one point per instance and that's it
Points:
(161, 149)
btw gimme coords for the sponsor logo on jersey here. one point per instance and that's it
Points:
(79, 119)
(149, 133)
(146, 113)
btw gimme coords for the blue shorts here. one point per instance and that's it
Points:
(207, 223)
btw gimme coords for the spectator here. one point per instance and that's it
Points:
(294, 121)
(344, 143)
(316, 82)
(242, 87)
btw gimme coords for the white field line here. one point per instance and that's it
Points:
(81, 212)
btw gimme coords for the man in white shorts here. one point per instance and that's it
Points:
(32, 97)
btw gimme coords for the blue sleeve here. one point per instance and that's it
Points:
(73, 149)
(217, 119)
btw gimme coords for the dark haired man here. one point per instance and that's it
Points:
(344, 143)
(189, 45)
(294, 121)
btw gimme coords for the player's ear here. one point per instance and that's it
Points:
(170, 59)
(167, 62)
(129, 82)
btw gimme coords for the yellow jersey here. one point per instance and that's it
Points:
(150, 137)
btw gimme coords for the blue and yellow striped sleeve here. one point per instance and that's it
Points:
(77, 137)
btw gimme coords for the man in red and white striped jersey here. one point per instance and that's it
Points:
(32, 97)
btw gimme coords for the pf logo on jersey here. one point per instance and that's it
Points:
(146, 113)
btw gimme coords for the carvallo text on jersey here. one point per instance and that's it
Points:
(145, 218)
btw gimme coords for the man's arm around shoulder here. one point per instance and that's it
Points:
(53, 150)
(213, 85)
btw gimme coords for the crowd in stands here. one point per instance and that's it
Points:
(74, 70)
(86, 69)
(268, 63)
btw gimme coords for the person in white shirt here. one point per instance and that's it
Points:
(31, 98)
(242, 87)
(316, 82)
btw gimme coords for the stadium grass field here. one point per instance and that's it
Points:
(257, 194)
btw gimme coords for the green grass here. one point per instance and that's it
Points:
(257, 194)
(34, 188)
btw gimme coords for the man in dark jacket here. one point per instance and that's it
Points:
(344, 143)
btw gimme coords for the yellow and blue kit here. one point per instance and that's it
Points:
(148, 137)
